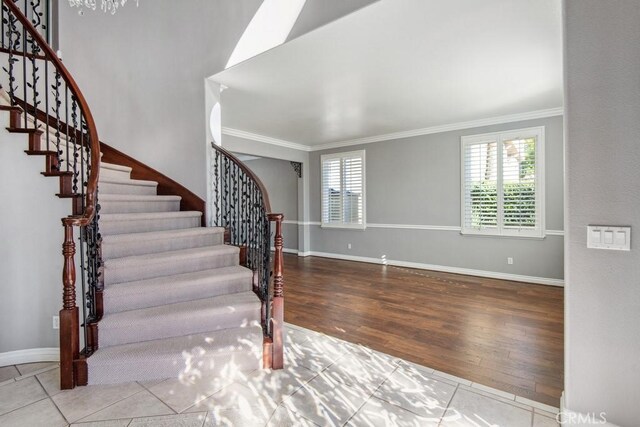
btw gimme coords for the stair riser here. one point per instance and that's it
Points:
(111, 251)
(112, 188)
(142, 270)
(173, 326)
(108, 227)
(109, 206)
(116, 302)
(114, 174)
(216, 364)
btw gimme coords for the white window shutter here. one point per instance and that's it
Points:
(343, 190)
(503, 183)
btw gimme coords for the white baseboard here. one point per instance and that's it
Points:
(30, 355)
(443, 268)
(577, 419)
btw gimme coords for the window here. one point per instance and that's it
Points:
(503, 183)
(343, 193)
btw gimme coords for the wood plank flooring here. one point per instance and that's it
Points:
(506, 335)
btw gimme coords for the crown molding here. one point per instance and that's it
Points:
(266, 139)
(538, 114)
(531, 115)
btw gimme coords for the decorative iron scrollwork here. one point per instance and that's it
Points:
(297, 167)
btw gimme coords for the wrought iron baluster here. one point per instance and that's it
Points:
(35, 50)
(57, 104)
(74, 140)
(24, 74)
(13, 36)
(66, 133)
(216, 188)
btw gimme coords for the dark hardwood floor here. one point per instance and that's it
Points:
(506, 335)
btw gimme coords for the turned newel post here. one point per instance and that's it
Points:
(278, 295)
(69, 329)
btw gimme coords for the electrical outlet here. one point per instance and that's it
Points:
(56, 322)
(349, 246)
(509, 260)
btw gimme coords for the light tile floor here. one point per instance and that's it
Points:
(327, 382)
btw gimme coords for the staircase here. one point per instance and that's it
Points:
(162, 295)
(175, 297)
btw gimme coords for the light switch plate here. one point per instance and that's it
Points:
(609, 237)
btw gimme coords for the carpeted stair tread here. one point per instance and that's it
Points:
(125, 223)
(178, 288)
(209, 353)
(124, 245)
(136, 198)
(138, 203)
(183, 318)
(148, 266)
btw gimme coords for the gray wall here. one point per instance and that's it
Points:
(30, 247)
(602, 74)
(416, 181)
(143, 69)
(281, 183)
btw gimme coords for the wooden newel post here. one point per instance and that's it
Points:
(69, 328)
(278, 295)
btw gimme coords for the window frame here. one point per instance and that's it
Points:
(342, 224)
(499, 138)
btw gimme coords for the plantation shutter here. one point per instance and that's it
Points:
(331, 191)
(502, 183)
(480, 185)
(519, 184)
(343, 201)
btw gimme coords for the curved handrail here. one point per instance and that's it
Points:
(253, 176)
(92, 182)
(241, 217)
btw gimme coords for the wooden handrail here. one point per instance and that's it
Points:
(92, 183)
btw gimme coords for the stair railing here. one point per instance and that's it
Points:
(46, 103)
(241, 205)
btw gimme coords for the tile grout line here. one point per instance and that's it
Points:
(24, 406)
(444, 414)
(108, 406)
(54, 403)
(371, 396)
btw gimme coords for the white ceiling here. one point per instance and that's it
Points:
(401, 65)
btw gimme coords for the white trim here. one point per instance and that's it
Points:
(443, 268)
(573, 418)
(266, 139)
(30, 355)
(417, 227)
(538, 114)
(410, 227)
